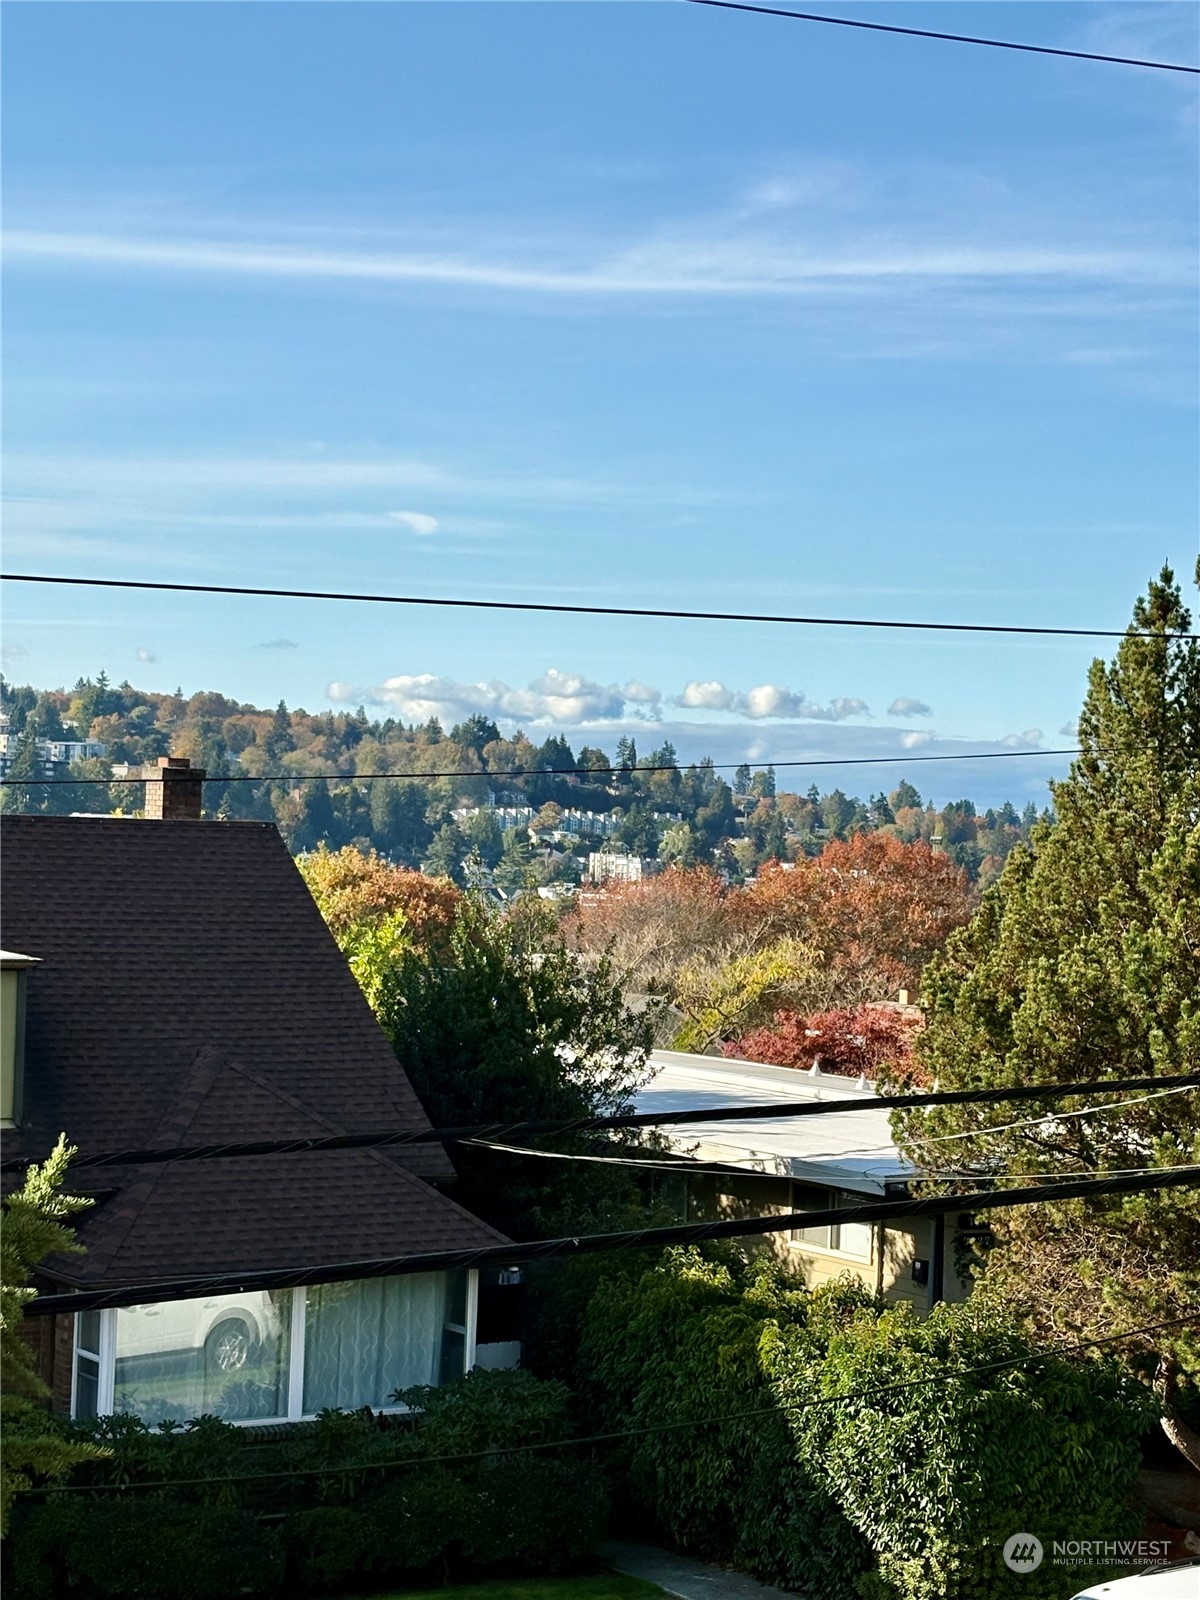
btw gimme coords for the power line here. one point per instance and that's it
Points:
(506, 1255)
(155, 1155)
(674, 1162)
(545, 772)
(943, 1375)
(953, 38)
(564, 609)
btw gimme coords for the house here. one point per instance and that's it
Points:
(765, 1166)
(179, 986)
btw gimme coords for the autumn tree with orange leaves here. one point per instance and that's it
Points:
(351, 889)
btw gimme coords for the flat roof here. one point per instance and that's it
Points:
(853, 1150)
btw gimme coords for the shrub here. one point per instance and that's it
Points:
(536, 1513)
(681, 1344)
(327, 1547)
(937, 1476)
(143, 1549)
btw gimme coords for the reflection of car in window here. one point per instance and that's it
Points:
(230, 1329)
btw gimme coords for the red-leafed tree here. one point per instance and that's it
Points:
(848, 1039)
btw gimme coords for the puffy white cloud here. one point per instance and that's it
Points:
(418, 522)
(145, 655)
(1070, 730)
(1021, 741)
(563, 698)
(766, 700)
(642, 694)
(903, 706)
(711, 696)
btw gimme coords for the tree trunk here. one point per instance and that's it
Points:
(1185, 1439)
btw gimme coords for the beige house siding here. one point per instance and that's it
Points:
(889, 1272)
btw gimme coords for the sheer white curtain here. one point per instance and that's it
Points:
(364, 1340)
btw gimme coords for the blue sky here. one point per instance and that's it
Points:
(633, 303)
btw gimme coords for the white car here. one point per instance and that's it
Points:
(229, 1328)
(1179, 1581)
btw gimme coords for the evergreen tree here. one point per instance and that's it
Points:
(904, 796)
(475, 733)
(32, 1445)
(715, 819)
(446, 853)
(515, 870)
(23, 791)
(484, 836)
(741, 779)
(1083, 962)
(277, 740)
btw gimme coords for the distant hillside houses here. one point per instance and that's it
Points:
(53, 753)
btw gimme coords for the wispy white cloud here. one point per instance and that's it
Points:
(678, 263)
(418, 522)
(277, 644)
(903, 706)
(143, 654)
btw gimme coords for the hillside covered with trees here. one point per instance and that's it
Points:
(467, 804)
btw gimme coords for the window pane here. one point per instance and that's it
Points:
(226, 1355)
(454, 1355)
(365, 1340)
(456, 1299)
(87, 1387)
(87, 1331)
(805, 1198)
(854, 1238)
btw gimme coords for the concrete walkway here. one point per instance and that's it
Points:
(688, 1579)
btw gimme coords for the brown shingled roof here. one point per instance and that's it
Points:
(189, 990)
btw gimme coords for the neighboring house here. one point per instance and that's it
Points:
(765, 1166)
(180, 987)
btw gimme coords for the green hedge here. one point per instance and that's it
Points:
(936, 1476)
(680, 1343)
(903, 1495)
(356, 1513)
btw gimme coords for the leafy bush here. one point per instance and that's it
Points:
(366, 1502)
(536, 1513)
(141, 1548)
(681, 1343)
(936, 1476)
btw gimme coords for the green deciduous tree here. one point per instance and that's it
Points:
(510, 1025)
(1083, 962)
(36, 1224)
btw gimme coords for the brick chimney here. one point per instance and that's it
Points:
(174, 790)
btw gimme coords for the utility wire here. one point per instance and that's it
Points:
(943, 1375)
(539, 772)
(563, 609)
(953, 38)
(155, 1155)
(676, 1162)
(507, 1255)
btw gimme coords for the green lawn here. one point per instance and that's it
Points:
(604, 1586)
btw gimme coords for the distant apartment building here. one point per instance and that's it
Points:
(577, 824)
(609, 866)
(53, 752)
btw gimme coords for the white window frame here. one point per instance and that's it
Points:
(833, 1199)
(106, 1358)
